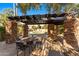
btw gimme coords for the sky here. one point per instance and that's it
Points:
(30, 12)
(5, 5)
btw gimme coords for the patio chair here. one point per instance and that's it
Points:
(30, 45)
(21, 47)
(39, 45)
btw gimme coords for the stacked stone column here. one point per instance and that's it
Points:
(11, 31)
(70, 39)
(76, 30)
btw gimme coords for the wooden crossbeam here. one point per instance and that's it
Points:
(40, 19)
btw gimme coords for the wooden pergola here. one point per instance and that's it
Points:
(71, 25)
(41, 19)
(50, 19)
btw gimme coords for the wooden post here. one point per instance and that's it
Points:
(57, 29)
(51, 30)
(25, 30)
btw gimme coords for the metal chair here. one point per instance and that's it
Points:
(39, 44)
(21, 47)
(30, 45)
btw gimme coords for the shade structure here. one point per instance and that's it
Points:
(56, 19)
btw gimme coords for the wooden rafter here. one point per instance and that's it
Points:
(41, 19)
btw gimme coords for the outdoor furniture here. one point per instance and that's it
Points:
(38, 45)
(38, 42)
(20, 47)
(30, 44)
(23, 43)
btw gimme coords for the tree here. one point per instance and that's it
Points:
(3, 20)
(56, 7)
(15, 9)
(8, 12)
(4, 16)
(24, 7)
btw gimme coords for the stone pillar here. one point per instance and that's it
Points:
(70, 39)
(76, 30)
(14, 30)
(11, 31)
(25, 30)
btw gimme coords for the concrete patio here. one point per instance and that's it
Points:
(10, 50)
(7, 49)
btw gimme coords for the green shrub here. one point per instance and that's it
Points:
(2, 32)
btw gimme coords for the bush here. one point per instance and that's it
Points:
(2, 32)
